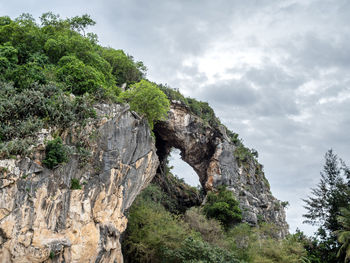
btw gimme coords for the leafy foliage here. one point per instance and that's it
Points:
(261, 245)
(344, 233)
(204, 111)
(75, 185)
(147, 99)
(243, 154)
(210, 229)
(311, 245)
(153, 193)
(223, 207)
(196, 250)
(124, 69)
(55, 153)
(59, 50)
(150, 230)
(173, 94)
(155, 235)
(24, 113)
(78, 77)
(272, 251)
(41, 64)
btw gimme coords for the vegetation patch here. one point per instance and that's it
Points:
(42, 65)
(156, 235)
(55, 153)
(223, 206)
(75, 185)
(147, 99)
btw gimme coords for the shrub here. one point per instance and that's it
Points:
(196, 250)
(262, 245)
(240, 239)
(52, 255)
(223, 207)
(210, 229)
(55, 153)
(233, 137)
(270, 250)
(242, 154)
(124, 69)
(148, 100)
(173, 94)
(152, 230)
(75, 185)
(285, 204)
(15, 147)
(153, 193)
(204, 111)
(78, 77)
(24, 113)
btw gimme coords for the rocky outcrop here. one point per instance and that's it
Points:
(43, 220)
(210, 153)
(114, 157)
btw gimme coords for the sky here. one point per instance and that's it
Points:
(276, 72)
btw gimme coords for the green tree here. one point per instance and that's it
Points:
(50, 19)
(344, 233)
(323, 207)
(80, 23)
(148, 100)
(124, 69)
(78, 77)
(151, 230)
(223, 206)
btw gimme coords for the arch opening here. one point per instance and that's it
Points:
(182, 169)
(196, 145)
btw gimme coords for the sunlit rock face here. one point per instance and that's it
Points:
(43, 220)
(210, 153)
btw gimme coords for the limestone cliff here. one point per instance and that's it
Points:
(43, 220)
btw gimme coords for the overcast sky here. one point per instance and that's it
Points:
(276, 72)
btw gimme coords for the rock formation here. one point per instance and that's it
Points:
(210, 153)
(43, 220)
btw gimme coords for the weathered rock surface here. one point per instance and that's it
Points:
(210, 153)
(43, 220)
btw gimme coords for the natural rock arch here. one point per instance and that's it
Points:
(188, 133)
(210, 153)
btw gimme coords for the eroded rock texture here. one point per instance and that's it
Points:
(43, 220)
(211, 154)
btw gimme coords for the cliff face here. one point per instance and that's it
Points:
(42, 219)
(211, 154)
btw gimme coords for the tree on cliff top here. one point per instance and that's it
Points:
(147, 99)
